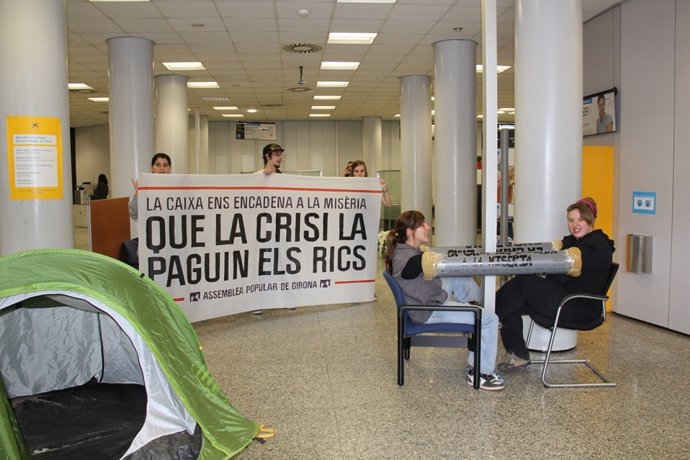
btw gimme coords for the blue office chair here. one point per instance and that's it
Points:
(446, 335)
(555, 323)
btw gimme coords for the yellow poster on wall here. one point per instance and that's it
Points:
(34, 154)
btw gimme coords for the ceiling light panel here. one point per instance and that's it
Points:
(332, 84)
(339, 65)
(173, 66)
(351, 38)
(366, 1)
(202, 84)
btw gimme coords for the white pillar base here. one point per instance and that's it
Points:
(566, 339)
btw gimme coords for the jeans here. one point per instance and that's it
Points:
(465, 289)
(461, 288)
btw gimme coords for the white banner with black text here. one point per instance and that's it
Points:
(226, 244)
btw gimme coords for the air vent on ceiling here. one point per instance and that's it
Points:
(82, 90)
(302, 48)
(276, 104)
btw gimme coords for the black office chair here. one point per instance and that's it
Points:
(447, 335)
(553, 324)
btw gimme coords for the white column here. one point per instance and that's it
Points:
(130, 68)
(455, 161)
(198, 143)
(548, 127)
(548, 119)
(415, 144)
(36, 192)
(172, 119)
(489, 160)
(371, 143)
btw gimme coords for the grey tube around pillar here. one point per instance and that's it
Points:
(550, 247)
(568, 261)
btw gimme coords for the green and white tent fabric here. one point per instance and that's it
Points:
(68, 317)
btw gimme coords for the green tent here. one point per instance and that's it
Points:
(70, 317)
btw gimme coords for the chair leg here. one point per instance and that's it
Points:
(605, 382)
(402, 350)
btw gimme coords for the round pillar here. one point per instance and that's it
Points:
(548, 118)
(172, 119)
(548, 125)
(35, 171)
(130, 68)
(415, 144)
(455, 161)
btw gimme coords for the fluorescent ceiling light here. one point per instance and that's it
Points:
(499, 68)
(327, 98)
(99, 99)
(226, 107)
(202, 84)
(319, 115)
(366, 1)
(397, 115)
(184, 66)
(332, 84)
(339, 65)
(351, 38)
(506, 110)
(322, 107)
(78, 86)
(232, 115)
(252, 110)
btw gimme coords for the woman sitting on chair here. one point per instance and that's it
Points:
(403, 259)
(540, 295)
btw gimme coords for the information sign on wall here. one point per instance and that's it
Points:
(34, 146)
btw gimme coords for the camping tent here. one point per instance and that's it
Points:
(69, 318)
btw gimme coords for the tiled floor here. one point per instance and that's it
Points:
(325, 379)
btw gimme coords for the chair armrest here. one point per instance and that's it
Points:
(569, 297)
(582, 295)
(471, 308)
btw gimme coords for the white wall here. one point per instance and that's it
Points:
(92, 145)
(642, 47)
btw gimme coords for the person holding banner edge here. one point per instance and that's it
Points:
(160, 164)
(541, 294)
(403, 259)
(272, 155)
(359, 169)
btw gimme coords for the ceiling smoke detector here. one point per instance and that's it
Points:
(302, 48)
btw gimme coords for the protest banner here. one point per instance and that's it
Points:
(226, 244)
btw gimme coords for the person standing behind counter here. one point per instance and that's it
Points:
(101, 190)
(160, 164)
